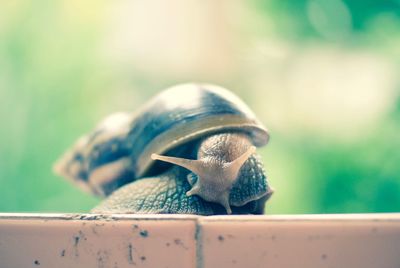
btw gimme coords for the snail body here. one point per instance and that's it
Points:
(191, 149)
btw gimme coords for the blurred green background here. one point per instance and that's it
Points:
(321, 74)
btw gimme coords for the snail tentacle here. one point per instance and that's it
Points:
(224, 201)
(194, 191)
(232, 168)
(193, 165)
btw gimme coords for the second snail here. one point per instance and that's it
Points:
(191, 149)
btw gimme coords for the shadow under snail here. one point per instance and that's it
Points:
(189, 150)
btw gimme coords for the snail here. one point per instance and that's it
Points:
(190, 149)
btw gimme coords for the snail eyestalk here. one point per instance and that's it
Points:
(233, 167)
(215, 178)
(192, 165)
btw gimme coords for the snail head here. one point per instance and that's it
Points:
(216, 176)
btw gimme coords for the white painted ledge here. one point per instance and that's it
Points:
(91, 240)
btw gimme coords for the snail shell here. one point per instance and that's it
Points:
(176, 122)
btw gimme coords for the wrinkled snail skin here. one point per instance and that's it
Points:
(190, 149)
(166, 194)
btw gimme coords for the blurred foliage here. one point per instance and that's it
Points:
(295, 18)
(64, 65)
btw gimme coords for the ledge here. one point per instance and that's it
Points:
(93, 240)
